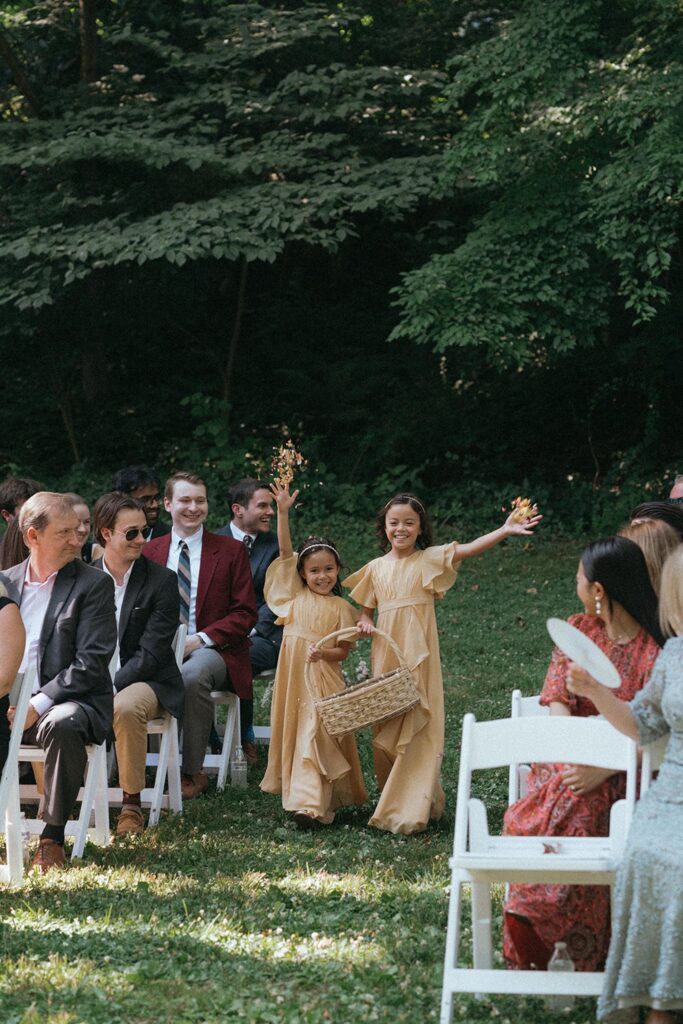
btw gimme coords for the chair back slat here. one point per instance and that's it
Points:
(20, 696)
(590, 741)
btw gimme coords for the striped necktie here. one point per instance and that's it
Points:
(184, 583)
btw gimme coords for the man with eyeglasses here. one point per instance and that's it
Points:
(67, 608)
(142, 483)
(147, 683)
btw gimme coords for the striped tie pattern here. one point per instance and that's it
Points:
(184, 583)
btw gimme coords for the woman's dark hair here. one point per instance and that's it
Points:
(619, 565)
(311, 544)
(671, 514)
(424, 540)
(14, 550)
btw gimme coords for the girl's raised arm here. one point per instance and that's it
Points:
(284, 501)
(510, 528)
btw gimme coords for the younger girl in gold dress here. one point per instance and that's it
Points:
(314, 772)
(402, 585)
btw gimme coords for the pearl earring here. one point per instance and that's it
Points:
(598, 606)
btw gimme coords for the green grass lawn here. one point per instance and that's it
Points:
(229, 914)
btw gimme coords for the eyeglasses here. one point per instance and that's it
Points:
(131, 533)
(675, 501)
(149, 499)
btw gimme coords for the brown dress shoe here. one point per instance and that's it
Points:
(49, 855)
(130, 822)
(192, 786)
(250, 752)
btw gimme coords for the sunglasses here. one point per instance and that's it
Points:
(131, 533)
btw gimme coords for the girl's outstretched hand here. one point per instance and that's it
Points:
(283, 499)
(526, 527)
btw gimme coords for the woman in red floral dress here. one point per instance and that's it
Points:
(575, 800)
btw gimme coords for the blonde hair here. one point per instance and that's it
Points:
(671, 594)
(40, 507)
(657, 540)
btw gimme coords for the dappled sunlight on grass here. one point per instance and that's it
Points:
(229, 914)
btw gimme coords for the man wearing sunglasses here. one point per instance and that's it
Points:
(142, 483)
(147, 682)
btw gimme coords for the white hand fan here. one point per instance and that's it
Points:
(581, 649)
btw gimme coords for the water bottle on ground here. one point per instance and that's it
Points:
(238, 769)
(560, 961)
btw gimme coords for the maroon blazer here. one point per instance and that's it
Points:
(226, 604)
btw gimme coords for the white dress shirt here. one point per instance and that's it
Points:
(119, 594)
(194, 544)
(35, 597)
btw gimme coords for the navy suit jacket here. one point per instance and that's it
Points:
(264, 550)
(77, 640)
(147, 626)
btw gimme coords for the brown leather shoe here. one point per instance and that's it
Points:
(49, 855)
(250, 752)
(131, 821)
(192, 786)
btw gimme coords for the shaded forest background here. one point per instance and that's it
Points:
(439, 246)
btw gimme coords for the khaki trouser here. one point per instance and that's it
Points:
(134, 706)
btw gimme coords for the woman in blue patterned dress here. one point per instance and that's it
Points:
(645, 962)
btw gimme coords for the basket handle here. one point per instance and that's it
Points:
(346, 634)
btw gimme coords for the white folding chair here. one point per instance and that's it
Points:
(93, 795)
(166, 761)
(480, 859)
(522, 707)
(231, 736)
(653, 755)
(12, 871)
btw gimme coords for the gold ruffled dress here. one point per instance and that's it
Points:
(408, 750)
(314, 772)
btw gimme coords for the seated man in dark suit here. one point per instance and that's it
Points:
(147, 681)
(251, 508)
(142, 483)
(68, 612)
(218, 605)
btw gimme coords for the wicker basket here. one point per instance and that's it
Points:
(370, 702)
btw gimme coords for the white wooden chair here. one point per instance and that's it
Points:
(220, 763)
(166, 761)
(12, 871)
(480, 859)
(522, 707)
(93, 795)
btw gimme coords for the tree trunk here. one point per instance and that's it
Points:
(236, 331)
(19, 75)
(88, 40)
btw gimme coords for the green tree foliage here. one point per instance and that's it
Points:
(569, 142)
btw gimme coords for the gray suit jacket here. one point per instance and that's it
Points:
(77, 640)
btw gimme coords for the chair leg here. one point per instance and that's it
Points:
(175, 800)
(13, 838)
(452, 946)
(160, 776)
(95, 798)
(230, 741)
(481, 926)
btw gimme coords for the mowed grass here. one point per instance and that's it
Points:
(229, 914)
